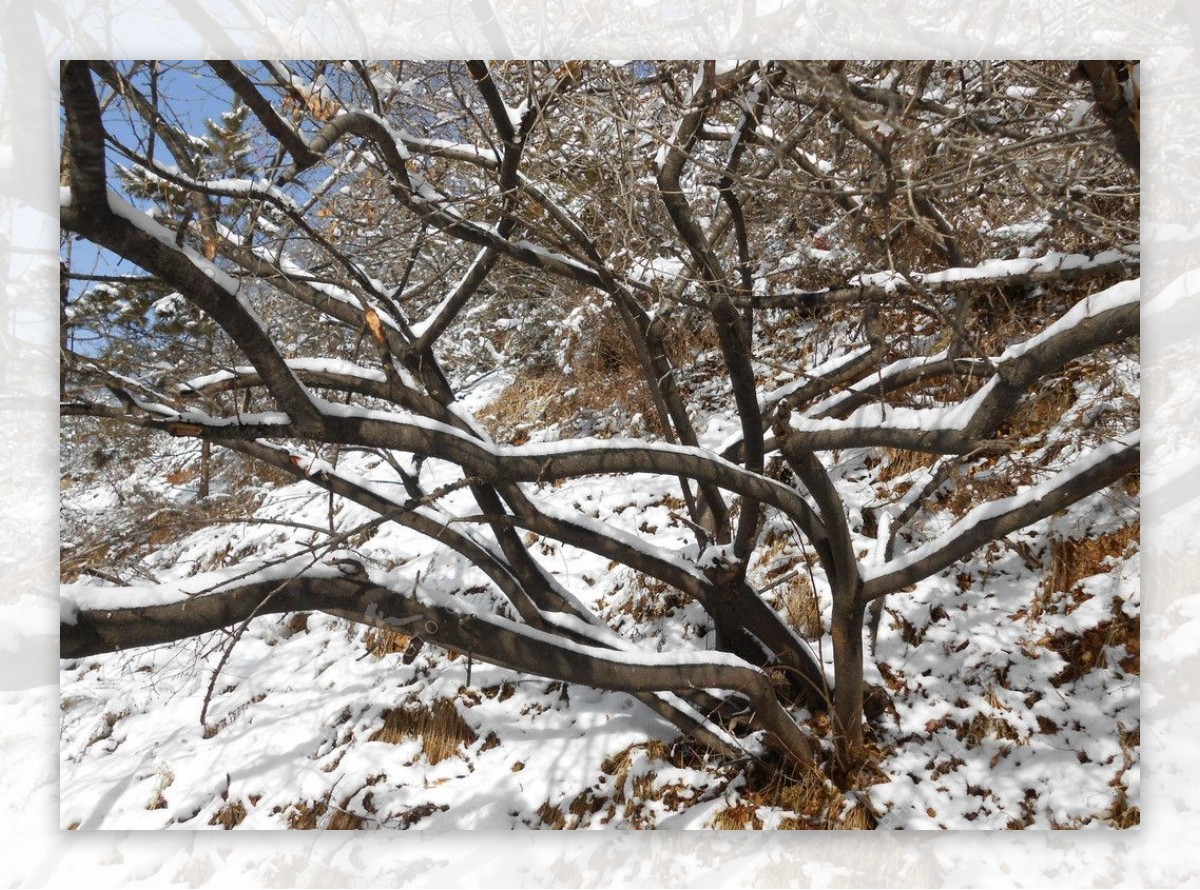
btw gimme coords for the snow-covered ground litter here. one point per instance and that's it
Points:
(314, 722)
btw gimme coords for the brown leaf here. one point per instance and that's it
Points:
(375, 326)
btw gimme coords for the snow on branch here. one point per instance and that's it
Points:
(995, 519)
(448, 622)
(1097, 320)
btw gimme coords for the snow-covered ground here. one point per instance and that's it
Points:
(1010, 706)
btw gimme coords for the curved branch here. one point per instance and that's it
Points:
(265, 112)
(994, 520)
(484, 637)
(1099, 320)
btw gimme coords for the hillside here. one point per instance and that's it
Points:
(655, 444)
(1011, 679)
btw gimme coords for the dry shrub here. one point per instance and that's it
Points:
(440, 728)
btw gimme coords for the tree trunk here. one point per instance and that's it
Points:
(847, 632)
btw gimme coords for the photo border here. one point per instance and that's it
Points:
(1163, 35)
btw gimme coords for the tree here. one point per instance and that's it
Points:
(866, 264)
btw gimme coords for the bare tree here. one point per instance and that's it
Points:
(877, 262)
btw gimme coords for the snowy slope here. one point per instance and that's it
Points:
(1018, 708)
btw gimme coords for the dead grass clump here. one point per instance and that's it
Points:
(552, 817)
(381, 641)
(1072, 560)
(440, 728)
(899, 462)
(801, 607)
(309, 815)
(229, 816)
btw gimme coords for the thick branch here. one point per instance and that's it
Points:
(994, 520)
(484, 637)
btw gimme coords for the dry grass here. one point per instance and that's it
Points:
(801, 607)
(1087, 651)
(1122, 813)
(229, 816)
(606, 399)
(899, 462)
(211, 729)
(739, 817)
(440, 729)
(552, 817)
(629, 784)
(1042, 410)
(380, 642)
(1072, 560)
(814, 804)
(786, 578)
(159, 801)
(315, 814)
(650, 599)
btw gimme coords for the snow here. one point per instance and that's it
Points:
(339, 367)
(296, 709)
(984, 730)
(1054, 261)
(1002, 506)
(1123, 293)
(125, 210)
